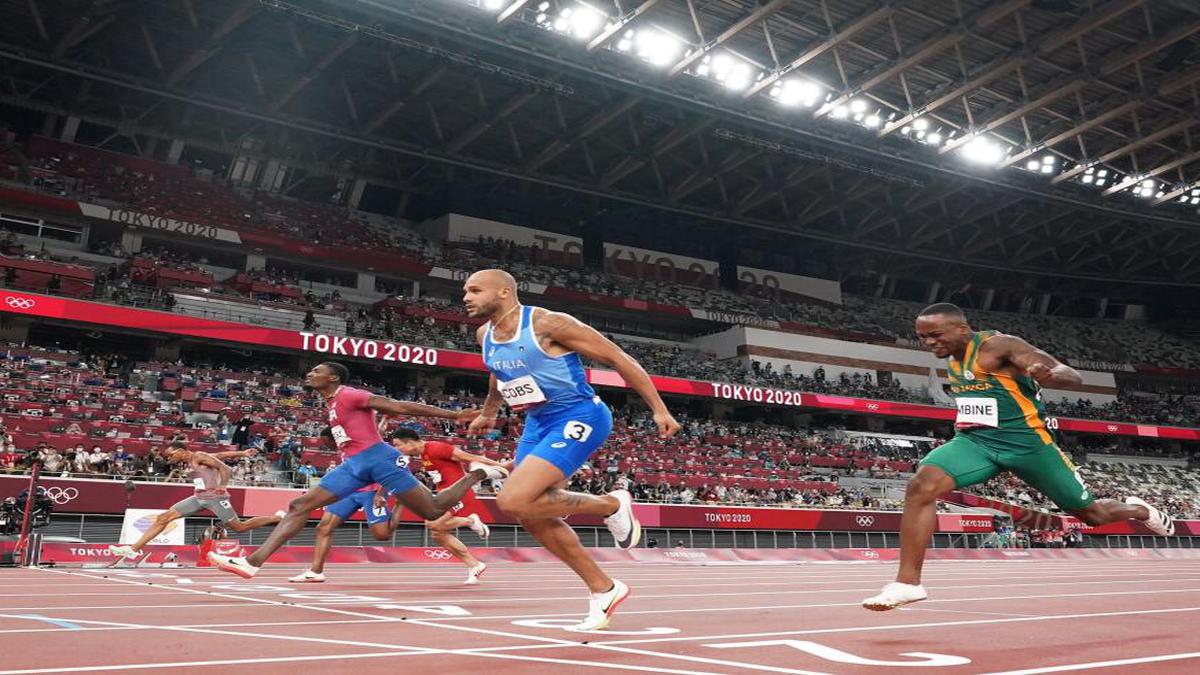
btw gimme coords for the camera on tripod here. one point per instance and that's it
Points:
(12, 511)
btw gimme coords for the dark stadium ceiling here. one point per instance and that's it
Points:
(1040, 136)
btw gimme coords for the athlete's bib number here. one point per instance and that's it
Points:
(199, 484)
(339, 434)
(379, 511)
(435, 476)
(977, 412)
(521, 392)
(577, 431)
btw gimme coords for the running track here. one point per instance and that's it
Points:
(1030, 617)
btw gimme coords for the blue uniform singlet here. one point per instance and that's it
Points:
(565, 421)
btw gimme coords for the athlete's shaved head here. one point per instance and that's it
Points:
(489, 293)
(944, 309)
(943, 329)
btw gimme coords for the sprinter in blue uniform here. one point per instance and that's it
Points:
(534, 357)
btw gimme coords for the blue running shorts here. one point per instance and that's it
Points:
(380, 463)
(345, 508)
(566, 438)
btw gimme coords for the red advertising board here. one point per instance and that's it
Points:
(43, 306)
(95, 496)
(98, 553)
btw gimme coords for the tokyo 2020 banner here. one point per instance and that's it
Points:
(96, 496)
(48, 307)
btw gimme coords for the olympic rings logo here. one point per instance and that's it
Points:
(20, 303)
(870, 554)
(865, 521)
(61, 495)
(437, 554)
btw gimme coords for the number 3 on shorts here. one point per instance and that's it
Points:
(577, 431)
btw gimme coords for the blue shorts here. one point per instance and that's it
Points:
(346, 507)
(380, 463)
(566, 438)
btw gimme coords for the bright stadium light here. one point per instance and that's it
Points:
(921, 124)
(1146, 188)
(1033, 165)
(657, 47)
(496, 5)
(872, 121)
(982, 150)
(585, 21)
(858, 106)
(840, 112)
(934, 138)
(797, 92)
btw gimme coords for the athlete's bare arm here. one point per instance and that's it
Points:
(211, 461)
(1029, 360)
(229, 454)
(574, 335)
(463, 456)
(393, 407)
(491, 408)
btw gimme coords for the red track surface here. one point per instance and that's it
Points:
(1140, 616)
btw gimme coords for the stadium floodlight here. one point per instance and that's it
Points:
(1033, 165)
(1146, 188)
(585, 21)
(906, 130)
(840, 112)
(858, 106)
(934, 138)
(872, 121)
(794, 92)
(983, 150)
(626, 42)
(921, 124)
(497, 5)
(657, 47)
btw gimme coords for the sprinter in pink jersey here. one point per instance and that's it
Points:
(368, 460)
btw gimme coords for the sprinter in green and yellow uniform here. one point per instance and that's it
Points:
(996, 380)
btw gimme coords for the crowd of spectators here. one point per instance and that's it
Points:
(111, 416)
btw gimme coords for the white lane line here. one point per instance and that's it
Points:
(296, 588)
(757, 608)
(251, 602)
(909, 626)
(415, 650)
(612, 648)
(1104, 664)
(519, 636)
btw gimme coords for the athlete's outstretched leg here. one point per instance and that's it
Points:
(919, 521)
(916, 528)
(532, 492)
(447, 540)
(161, 521)
(428, 506)
(239, 525)
(560, 539)
(324, 541)
(292, 523)
(1104, 511)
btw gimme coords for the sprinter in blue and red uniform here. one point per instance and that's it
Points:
(534, 357)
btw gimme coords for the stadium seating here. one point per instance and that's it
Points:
(89, 421)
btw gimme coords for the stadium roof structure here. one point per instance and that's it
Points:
(1042, 136)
